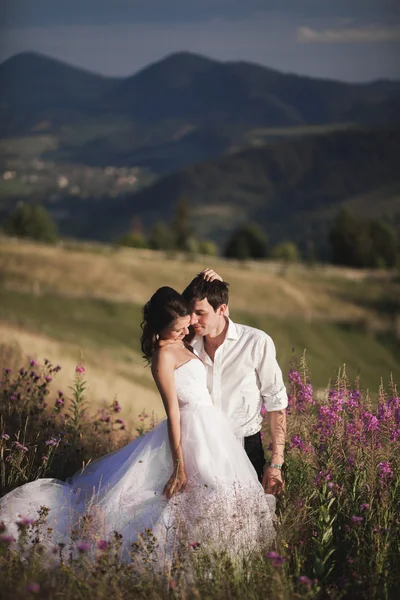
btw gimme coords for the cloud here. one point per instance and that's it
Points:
(39, 13)
(368, 34)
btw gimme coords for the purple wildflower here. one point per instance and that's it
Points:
(276, 559)
(33, 587)
(52, 442)
(6, 539)
(305, 580)
(83, 547)
(20, 447)
(24, 522)
(322, 477)
(116, 407)
(79, 369)
(371, 422)
(33, 363)
(102, 545)
(5, 436)
(356, 520)
(384, 470)
(365, 506)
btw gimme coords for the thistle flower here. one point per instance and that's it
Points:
(276, 559)
(20, 447)
(24, 522)
(6, 539)
(52, 442)
(303, 579)
(83, 547)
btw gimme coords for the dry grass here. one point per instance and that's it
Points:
(127, 275)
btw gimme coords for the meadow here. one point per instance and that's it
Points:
(74, 388)
(338, 534)
(61, 301)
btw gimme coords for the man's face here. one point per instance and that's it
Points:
(204, 318)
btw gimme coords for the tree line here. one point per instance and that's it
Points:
(354, 242)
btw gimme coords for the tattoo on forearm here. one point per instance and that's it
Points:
(278, 433)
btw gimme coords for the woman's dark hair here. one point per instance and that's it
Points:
(163, 308)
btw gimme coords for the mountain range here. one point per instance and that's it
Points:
(238, 140)
(178, 111)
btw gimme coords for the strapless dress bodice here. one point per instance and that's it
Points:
(191, 385)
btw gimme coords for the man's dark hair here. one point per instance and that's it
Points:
(216, 292)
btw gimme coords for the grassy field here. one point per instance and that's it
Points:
(85, 298)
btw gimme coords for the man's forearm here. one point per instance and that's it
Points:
(277, 420)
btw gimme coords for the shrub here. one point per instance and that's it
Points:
(31, 221)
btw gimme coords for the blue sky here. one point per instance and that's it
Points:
(352, 40)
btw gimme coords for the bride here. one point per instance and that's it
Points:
(188, 481)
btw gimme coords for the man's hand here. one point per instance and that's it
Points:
(272, 481)
(210, 275)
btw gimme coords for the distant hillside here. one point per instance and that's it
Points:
(34, 88)
(291, 188)
(176, 112)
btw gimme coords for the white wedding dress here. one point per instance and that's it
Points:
(222, 508)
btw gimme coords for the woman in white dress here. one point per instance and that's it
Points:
(188, 480)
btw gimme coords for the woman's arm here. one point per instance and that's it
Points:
(163, 372)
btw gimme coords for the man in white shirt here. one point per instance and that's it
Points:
(242, 375)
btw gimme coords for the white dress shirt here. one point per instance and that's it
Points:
(244, 376)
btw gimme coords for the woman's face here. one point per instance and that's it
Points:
(178, 330)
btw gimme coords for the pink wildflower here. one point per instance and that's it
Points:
(102, 545)
(356, 519)
(24, 522)
(83, 547)
(276, 559)
(6, 539)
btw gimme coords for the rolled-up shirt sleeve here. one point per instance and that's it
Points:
(270, 380)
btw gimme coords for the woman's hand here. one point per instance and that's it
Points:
(176, 483)
(210, 275)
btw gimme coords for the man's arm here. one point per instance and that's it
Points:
(274, 397)
(272, 479)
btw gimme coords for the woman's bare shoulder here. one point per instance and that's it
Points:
(164, 356)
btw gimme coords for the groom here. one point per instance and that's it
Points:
(242, 374)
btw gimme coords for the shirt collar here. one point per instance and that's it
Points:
(232, 333)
